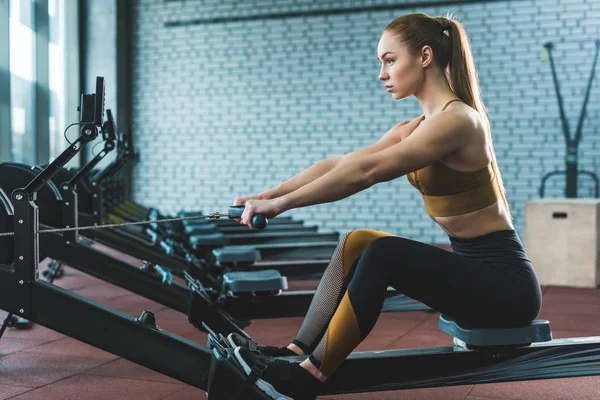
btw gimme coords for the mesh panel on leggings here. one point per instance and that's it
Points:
(328, 295)
(319, 352)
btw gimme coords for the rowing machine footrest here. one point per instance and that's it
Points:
(236, 255)
(192, 230)
(227, 380)
(268, 280)
(209, 239)
(470, 337)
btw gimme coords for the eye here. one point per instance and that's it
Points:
(389, 61)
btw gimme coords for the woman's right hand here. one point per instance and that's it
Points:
(240, 201)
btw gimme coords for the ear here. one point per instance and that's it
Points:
(426, 56)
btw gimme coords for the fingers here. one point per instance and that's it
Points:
(246, 218)
(239, 201)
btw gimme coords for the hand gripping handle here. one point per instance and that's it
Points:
(258, 220)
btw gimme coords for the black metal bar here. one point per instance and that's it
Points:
(295, 304)
(451, 366)
(26, 265)
(571, 172)
(326, 12)
(111, 169)
(563, 119)
(114, 271)
(129, 244)
(89, 132)
(587, 95)
(545, 178)
(108, 147)
(202, 310)
(70, 215)
(122, 335)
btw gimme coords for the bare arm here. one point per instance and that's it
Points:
(323, 167)
(308, 175)
(441, 135)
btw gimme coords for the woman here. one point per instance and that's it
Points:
(447, 155)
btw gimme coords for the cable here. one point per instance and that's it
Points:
(65, 132)
(94, 148)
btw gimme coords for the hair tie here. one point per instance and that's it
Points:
(445, 24)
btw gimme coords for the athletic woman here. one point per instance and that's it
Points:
(446, 154)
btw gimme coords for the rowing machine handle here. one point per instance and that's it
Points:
(258, 220)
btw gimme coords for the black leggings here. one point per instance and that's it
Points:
(486, 282)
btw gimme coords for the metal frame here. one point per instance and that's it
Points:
(572, 143)
(451, 366)
(23, 294)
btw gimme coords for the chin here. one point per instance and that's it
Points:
(399, 96)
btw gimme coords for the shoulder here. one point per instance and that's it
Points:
(458, 120)
(401, 130)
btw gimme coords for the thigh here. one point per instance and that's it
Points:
(465, 288)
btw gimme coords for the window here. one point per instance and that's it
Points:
(57, 60)
(26, 57)
(22, 80)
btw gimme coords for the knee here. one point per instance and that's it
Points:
(385, 246)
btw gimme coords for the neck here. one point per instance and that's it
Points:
(435, 93)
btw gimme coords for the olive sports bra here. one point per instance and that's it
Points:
(447, 192)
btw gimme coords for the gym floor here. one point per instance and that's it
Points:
(42, 364)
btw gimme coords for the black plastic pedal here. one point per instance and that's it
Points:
(227, 379)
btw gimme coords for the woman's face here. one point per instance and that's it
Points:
(401, 71)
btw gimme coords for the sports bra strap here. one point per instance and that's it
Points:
(450, 102)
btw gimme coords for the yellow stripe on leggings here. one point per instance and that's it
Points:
(343, 335)
(356, 242)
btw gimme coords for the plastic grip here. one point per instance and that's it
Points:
(258, 220)
(164, 273)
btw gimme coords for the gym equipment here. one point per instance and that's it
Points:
(571, 170)
(239, 297)
(479, 356)
(488, 355)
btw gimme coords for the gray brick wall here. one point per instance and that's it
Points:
(232, 108)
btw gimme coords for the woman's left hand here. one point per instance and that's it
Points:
(269, 208)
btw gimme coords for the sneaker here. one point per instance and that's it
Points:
(278, 379)
(236, 340)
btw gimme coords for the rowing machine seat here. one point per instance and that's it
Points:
(200, 229)
(236, 255)
(473, 338)
(268, 280)
(206, 240)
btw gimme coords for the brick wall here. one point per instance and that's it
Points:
(242, 99)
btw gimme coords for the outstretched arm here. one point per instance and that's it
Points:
(432, 140)
(325, 166)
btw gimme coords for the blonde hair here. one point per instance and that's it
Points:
(452, 52)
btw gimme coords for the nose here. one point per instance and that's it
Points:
(383, 75)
